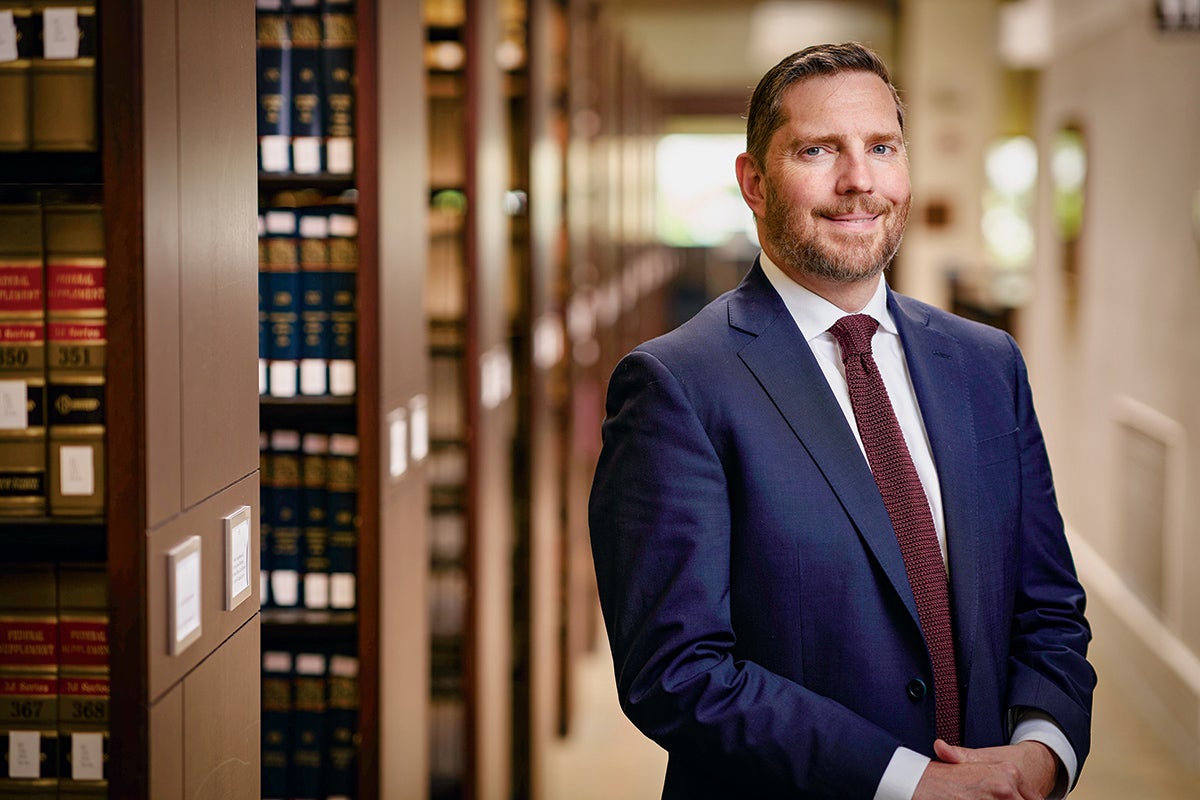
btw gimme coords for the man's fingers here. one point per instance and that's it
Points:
(950, 753)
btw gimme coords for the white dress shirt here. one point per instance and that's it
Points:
(814, 315)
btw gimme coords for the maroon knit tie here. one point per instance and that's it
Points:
(906, 504)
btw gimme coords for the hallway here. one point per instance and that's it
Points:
(605, 758)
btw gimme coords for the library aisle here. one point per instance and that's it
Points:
(606, 758)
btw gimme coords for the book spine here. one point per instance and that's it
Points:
(341, 772)
(22, 362)
(264, 322)
(283, 301)
(63, 77)
(316, 523)
(266, 518)
(274, 62)
(75, 356)
(314, 301)
(307, 126)
(343, 302)
(342, 499)
(309, 688)
(15, 64)
(29, 742)
(339, 39)
(84, 679)
(286, 530)
(276, 724)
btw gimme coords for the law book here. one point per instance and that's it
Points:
(341, 772)
(276, 723)
(283, 301)
(63, 77)
(342, 499)
(22, 362)
(313, 225)
(266, 519)
(18, 37)
(84, 681)
(287, 524)
(264, 324)
(338, 40)
(308, 126)
(343, 301)
(309, 691)
(75, 356)
(29, 743)
(273, 58)
(314, 470)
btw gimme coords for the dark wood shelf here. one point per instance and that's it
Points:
(48, 169)
(35, 539)
(334, 414)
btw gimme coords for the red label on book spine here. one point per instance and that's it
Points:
(22, 333)
(83, 643)
(84, 687)
(21, 288)
(78, 332)
(28, 643)
(75, 287)
(27, 687)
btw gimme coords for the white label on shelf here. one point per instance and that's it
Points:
(282, 378)
(24, 754)
(285, 588)
(60, 33)
(238, 558)
(342, 379)
(275, 151)
(306, 155)
(77, 477)
(262, 376)
(8, 37)
(341, 590)
(14, 406)
(418, 411)
(87, 756)
(314, 377)
(183, 575)
(339, 156)
(397, 443)
(316, 590)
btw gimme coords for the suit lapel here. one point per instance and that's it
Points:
(938, 369)
(785, 367)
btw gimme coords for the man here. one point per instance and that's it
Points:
(818, 584)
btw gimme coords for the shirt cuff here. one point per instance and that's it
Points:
(1036, 726)
(903, 773)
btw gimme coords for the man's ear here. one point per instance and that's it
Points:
(751, 182)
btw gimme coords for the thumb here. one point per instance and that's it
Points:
(949, 753)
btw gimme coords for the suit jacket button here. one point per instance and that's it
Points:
(915, 688)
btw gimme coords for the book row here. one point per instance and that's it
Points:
(54, 681)
(307, 301)
(309, 520)
(48, 75)
(310, 704)
(53, 339)
(306, 78)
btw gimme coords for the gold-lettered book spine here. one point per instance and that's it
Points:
(84, 692)
(22, 362)
(63, 77)
(14, 76)
(75, 358)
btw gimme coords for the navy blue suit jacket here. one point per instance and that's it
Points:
(762, 626)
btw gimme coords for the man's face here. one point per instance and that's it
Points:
(835, 186)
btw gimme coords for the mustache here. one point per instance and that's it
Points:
(861, 205)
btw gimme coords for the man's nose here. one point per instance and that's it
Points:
(854, 176)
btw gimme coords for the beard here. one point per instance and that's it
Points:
(800, 249)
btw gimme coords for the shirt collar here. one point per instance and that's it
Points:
(814, 315)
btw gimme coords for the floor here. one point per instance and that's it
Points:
(605, 758)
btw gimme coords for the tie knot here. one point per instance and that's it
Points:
(854, 334)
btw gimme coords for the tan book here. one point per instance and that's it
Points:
(22, 362)
(76, 349)
(83, 682)
(14, 76)
(63, 77)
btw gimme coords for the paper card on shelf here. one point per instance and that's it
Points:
(397, 442)
(274, 153)
(285, 588)
(306, 155)
(418, 410)
(14, 411)
(60, 33)
(238, 557)
(339, 156)
(8, 36)
(341, 590)
(87, 756)
(24, 754)
(316, 590)
(78, 478)
(183, 594)
(342, 378)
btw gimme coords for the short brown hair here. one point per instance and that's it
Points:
(766, 114)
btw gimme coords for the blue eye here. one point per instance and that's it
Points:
(881, 149)
(812, 151)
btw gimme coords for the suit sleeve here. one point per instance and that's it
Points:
(660, 524)
(1048, 667)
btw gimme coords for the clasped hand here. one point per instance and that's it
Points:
(1023, 771)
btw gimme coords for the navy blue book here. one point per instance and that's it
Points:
(283, 301)
(273, 57)
(287, 523)
(339, 37)
(309, 688)
(276, 724)
(342, 498)
(314, 301)
(341, 766)
(264, 289)
(343, 301)
(315, 548)
(308, 126)
(266, 519)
